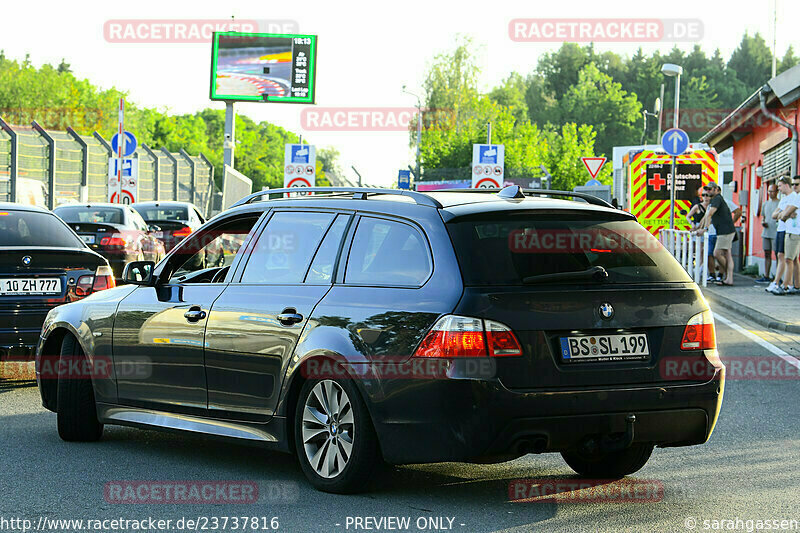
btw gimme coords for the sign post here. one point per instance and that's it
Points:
(488, 166)
(299, 166)
(675, 141)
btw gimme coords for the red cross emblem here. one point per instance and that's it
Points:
(656, 181)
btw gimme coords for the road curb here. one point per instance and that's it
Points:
(748, 312)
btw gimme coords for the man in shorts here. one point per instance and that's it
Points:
(770, 229)
(719, 214)
(791, 216)
(776, 287)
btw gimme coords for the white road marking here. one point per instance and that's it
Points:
(792, 360)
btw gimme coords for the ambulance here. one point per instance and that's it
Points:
(644, 181)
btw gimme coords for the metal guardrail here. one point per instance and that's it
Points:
(47, 167)
(690, 250)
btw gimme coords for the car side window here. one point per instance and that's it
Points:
(321, 270)
(138, 221)
(386, 252)
(206, 253)
(284, 249)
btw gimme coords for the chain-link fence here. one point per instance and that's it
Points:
(51, 168)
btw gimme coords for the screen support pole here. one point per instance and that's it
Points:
(230, 134)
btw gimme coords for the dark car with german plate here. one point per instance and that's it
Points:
(358, 326)
(42, 264)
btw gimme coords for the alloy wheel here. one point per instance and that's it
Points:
(328, 428)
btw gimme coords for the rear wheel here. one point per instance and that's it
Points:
(610, 464)
(77, 411)
(335, 441)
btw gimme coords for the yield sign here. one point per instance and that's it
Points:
(593, 164)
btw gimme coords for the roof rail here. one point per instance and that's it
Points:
(359, 193)
(515, 191)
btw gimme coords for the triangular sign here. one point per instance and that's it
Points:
(593, 164)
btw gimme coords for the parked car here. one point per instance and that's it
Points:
(177, 220)
(370, 325)
(42, 264)
(116, 231)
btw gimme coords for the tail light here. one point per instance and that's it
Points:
(116, 239)
(460, 336)
(699, 332)
(183, 232)
(102, 279)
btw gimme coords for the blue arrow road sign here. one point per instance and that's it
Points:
(130, 144)
(675, 141)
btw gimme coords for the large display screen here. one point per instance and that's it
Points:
(263, 67)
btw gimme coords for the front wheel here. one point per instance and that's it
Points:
(334, 438)
(611, 465)
(76, 411)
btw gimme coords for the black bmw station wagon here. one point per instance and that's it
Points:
(363, 325)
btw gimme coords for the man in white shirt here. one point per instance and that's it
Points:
(791, 216)
(783, 183)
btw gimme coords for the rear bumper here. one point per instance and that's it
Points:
(20, 344)
(462, 420)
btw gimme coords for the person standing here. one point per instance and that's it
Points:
(785, 188)
(719, 214)
(791, 216)
(770, 229)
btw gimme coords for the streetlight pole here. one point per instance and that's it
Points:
(670, 69)
(419, 131)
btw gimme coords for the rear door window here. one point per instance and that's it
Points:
(506, 248)
(387, 253)
(321, 270)
(284, 249)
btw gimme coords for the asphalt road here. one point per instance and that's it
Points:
(748, 470)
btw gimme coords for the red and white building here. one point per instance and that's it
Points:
(763, 150)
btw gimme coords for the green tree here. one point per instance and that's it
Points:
(598, 100)
(752, 61)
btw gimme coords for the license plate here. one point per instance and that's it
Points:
(29, 286)
(88, 239)
(631, 346)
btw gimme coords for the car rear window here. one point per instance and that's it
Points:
(27, 228)
(505, 248)
(150, 214)
(94, 215)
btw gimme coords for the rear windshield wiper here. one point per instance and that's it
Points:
(595, 273)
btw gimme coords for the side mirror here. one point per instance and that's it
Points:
(152, 227)
(683, 212)
(138, 272)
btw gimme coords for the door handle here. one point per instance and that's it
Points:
(289, 316)
(194, 314)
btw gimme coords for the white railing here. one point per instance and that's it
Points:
(690, 250)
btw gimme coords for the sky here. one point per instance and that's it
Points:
(366, 52)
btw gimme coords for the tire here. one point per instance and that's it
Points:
(351, 431)
(611, 465)
(77, 411)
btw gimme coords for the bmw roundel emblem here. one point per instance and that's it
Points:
(606, 311)
(26, 260)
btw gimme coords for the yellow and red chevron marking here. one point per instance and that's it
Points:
(654, 214)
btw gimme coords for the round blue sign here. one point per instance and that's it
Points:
(675, 141)
(130, 144)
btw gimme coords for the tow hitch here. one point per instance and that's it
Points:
(610, 442)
